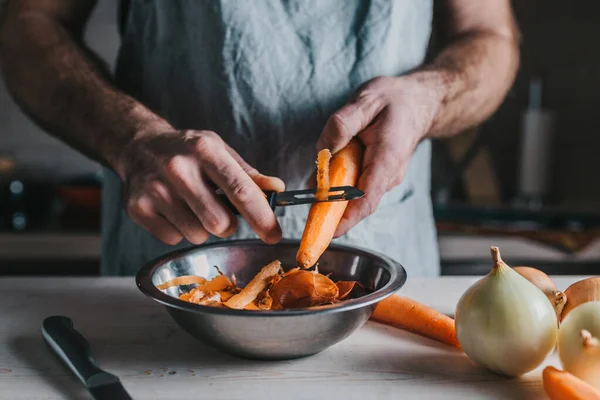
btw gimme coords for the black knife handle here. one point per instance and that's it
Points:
(71, 347)
(271, 198)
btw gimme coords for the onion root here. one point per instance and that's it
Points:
(588, 340)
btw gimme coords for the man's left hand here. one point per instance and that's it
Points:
(390, 115)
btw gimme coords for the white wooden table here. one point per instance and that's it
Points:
(134, 338)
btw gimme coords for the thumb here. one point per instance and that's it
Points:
(348, 122)
(268, 183)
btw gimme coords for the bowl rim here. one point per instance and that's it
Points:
(143, 279)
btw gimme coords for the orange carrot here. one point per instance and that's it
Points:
(404, 313)
(562, 385)
(323, 183)
(323, 218)
(255, 286)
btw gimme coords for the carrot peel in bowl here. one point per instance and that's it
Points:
(271, 289)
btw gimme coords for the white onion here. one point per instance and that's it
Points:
(578, 343)
(504, 322)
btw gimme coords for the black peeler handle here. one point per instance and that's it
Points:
(271, 198)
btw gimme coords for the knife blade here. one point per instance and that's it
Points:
(76, 353)
(297, 197)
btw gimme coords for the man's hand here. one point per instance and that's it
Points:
(390, 115)
(460, 88)
(170, 176)
(170, 183)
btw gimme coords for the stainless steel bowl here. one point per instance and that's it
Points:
(273, 335)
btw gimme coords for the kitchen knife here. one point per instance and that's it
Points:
(75, 351)
(296, 197)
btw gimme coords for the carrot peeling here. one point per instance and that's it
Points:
(273, 289)
(216, 284)
(255, 286)
(186, 297)
(182, 280)
(562, 385)
(211, 298)
(324, 217)
(196, 296)
(323, 184)
(410, 315)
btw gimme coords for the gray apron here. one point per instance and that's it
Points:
(265, 75)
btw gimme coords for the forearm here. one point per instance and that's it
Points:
(469, 79)
(56, 81)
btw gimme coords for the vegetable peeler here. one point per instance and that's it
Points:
(297, 197)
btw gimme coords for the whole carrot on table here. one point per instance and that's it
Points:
(410, 315)
(562, 385)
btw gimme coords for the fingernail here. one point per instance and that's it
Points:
(231, 230)
(274, 236)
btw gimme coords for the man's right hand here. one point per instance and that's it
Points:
(170, 182)
(170, 176)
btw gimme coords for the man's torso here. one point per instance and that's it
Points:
(266, 75)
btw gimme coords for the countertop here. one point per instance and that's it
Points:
(134, 338)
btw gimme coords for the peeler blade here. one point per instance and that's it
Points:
(307, 196)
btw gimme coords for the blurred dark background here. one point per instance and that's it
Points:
(484, 193)
(559, 47)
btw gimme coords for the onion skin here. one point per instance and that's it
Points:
(581, 292)
(543, 282)
(505, 323)
(538, 278)
(578, 345)
(303, 289)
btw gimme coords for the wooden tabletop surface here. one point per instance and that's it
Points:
(134, 338)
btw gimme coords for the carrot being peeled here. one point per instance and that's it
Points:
(562, 385)
(410, 315)
(323, 218)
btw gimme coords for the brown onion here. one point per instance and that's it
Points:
(581, 292)
(543, 282)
